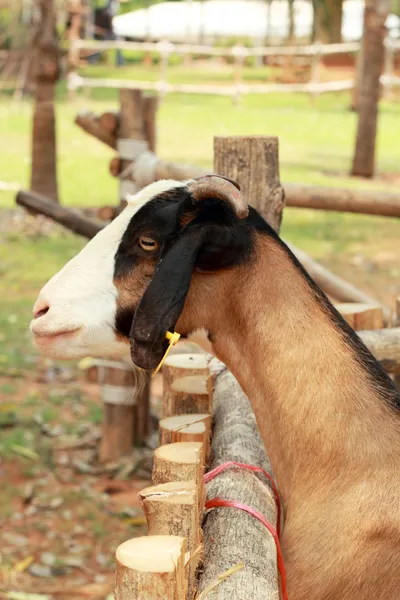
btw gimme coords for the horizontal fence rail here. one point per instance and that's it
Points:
(239, 53)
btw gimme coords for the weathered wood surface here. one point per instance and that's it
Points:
(68, 217)
(342, 200)
(385, 346)
(253, 161)
(231, 535)
(46, 59)
(90, 123)
(151, 568)
(361, 316)
(152, 168)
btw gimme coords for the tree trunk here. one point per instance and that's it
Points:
(328, 20)
(375, 15)
(292, 14)
(44, 159)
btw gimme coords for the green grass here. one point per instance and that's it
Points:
(316, 143)
(25, 265)
(316, 138)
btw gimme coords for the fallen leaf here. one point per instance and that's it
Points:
(24, 564)
(25, 452)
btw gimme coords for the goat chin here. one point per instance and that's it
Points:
(75, 345)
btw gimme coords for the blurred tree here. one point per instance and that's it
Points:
(292, 18)
(46, 73)
(375, 15)
(327, 26)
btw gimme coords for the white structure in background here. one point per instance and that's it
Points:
(184, 21)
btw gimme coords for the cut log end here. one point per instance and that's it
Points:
(181, 461)
(156, 554)
(187, 428)
(151, 567)
(187, 361)
(181, 453)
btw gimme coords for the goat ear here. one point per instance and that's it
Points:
(163, 301)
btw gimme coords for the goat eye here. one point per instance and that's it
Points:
(147, 243)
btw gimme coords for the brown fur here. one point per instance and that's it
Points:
(333, 442)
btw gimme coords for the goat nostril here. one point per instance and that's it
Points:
(41, 312)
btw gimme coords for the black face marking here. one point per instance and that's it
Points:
(225, 242)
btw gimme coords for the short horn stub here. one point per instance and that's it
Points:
(222, 188)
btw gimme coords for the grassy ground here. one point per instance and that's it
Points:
(316, 142)
(316, 138)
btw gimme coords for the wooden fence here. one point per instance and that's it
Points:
(238, 53)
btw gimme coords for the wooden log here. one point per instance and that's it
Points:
(131, 128)
(150, 106)
(235, 157)
(71, 219)
(187, 396)
(131, 115)
(385, 346)
(126, 416)
(361, 316)
(117, 438)
(109, 121)
(115, 167)
(177, 366)
(173, 509)
(187, 428)
(231, 535)
(182, 461)
(333, 285)
(151, 568)
(90, 123)
(342, 200)
(46, 59)
(151, 168)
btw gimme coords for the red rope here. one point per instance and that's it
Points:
(221, 502)
(221, 468)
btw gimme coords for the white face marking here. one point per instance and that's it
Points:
(82, 298)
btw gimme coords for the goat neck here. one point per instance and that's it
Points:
(316, 406)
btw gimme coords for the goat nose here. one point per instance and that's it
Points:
(40, 309)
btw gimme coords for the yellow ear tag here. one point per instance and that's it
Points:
(173, 339)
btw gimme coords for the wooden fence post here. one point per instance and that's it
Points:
(188, 395)
(361, 316)
(47, 70)
(236, 157)
(124, 392)
(187, 428)
(151, 567)
(239, 53)
(388, 70)
(235, 433)
(165, 49)
(131, 140)
(315, 69)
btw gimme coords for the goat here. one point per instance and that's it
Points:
(194, 255)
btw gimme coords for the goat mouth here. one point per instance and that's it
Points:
(55, 334)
